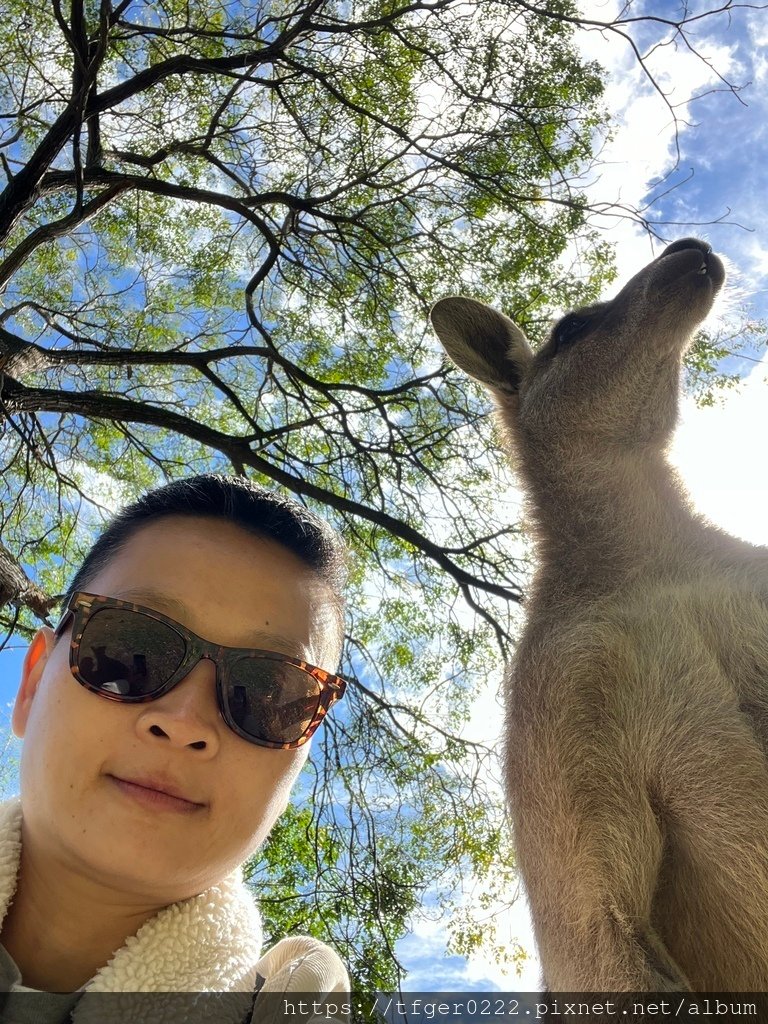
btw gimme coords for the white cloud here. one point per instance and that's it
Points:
(430, 970)
(642, 150)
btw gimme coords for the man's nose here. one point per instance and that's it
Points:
(188, 715)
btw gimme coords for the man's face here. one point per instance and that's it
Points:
(227, 586)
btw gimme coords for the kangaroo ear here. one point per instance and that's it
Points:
(484, 343)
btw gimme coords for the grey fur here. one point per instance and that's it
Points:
(637, 722)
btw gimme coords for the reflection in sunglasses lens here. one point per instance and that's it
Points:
(128, 654)
(272, 700)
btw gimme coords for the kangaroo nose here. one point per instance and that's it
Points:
(687, 243)
(711, 266)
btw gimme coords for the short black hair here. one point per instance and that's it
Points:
(239, 501)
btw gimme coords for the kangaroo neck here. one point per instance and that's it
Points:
(600, 520)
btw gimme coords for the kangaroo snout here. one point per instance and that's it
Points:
(694, 256)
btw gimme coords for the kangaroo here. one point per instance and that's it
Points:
(636, 736)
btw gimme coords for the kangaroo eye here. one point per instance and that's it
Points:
(569, 328)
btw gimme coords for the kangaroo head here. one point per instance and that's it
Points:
(608, 374)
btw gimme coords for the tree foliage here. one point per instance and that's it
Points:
(221, 229)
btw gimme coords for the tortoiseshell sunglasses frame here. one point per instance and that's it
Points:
(83, 605)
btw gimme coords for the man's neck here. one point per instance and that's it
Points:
(60, 931)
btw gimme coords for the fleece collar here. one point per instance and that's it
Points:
(209, 942)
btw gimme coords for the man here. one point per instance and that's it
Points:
(164, 723)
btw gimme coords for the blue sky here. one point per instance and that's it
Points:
(724, 145)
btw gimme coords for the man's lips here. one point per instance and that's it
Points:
(156, 790)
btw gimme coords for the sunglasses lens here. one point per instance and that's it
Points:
(271, 700)
(128, 654)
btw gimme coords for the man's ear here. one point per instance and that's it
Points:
(32, 670)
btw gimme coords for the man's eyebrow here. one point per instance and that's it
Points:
(161, 602)
(165, 602)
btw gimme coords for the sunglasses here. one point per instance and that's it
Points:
(129, 653)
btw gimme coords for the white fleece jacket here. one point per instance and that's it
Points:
(209, 943)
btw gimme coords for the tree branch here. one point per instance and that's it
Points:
(93, 405)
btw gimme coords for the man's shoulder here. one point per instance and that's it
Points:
(302, 964)
(303, 980)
